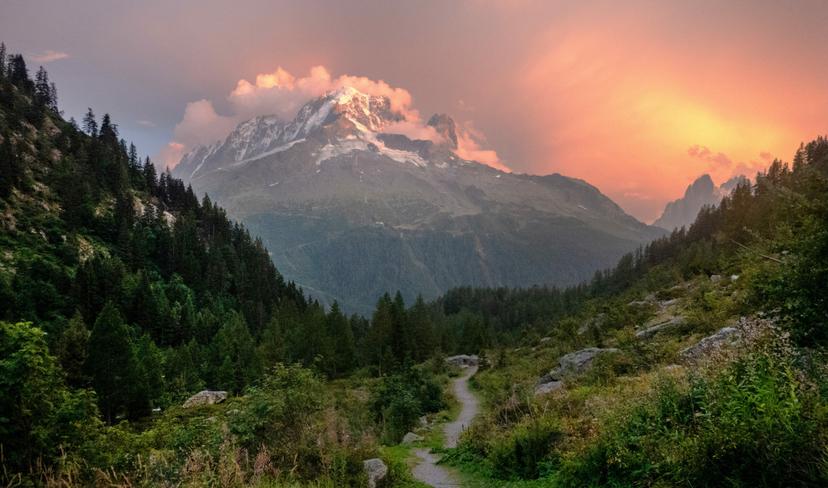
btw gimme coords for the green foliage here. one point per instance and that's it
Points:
(524, 453)
(398, 401)
(757, 423)
(114, 368)
(38, 414)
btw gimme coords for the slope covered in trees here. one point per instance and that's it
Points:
(121, 292)
(709, 345)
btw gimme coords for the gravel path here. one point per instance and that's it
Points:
(427, 470)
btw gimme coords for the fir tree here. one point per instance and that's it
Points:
(114, 368)
(72, 351)
(90, 126)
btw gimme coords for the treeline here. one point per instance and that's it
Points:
(782, 217)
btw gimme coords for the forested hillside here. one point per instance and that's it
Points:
(698, 361)
(122, 293)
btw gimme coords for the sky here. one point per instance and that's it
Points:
(638, 97)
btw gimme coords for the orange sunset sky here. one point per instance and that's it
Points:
(638, 98)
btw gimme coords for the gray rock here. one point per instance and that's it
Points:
(548, 387)
(725, 336)
(463, 360)
(206, 397)
(411, 438)
(661, 326)
(575, 363)
(376, 470)
(544, 339)
(715, 278)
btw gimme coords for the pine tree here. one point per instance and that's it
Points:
(342, 338)
(53, 98)
(114, 368)
(2, 60)
(43, 91)
(90, 126)
(72, 351)
(18, 74)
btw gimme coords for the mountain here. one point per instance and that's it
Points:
(351, 209)
(682, 212)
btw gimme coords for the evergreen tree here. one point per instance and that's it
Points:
(2, 60)
(342, 338)
(18, 74)
(90, 126)
(72, 351)
(114, 368)
(43, 91)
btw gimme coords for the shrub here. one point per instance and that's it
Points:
(399, 400)
(758, 422)
(523, 452)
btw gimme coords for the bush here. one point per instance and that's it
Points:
(759, 422)
(523, 453)
(399, 400)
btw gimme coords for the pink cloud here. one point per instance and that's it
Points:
(49, 56)
(281, 93)
(469, 146)
(702, 152)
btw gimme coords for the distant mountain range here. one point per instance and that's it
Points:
(349, 209)
(683, 211)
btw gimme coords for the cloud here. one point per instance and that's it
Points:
(469, 142)
(717, 160)
(170, 154)
(48, 56)
(726, 166)
(201, 124)
(282, 94)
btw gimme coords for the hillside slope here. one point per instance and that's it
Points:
(351, 209)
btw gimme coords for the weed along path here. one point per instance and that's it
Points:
(427, 470)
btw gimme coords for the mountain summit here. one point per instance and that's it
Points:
(683, 211)
(351, 207)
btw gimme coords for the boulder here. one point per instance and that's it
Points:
(725, 336)
(575, 363)
(206, 397)
(376, 470)
(463, 360)
(661, 326)
(715, 278)
(548, 387)
(411, 438)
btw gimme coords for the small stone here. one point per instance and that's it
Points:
(549, 387)
(411, 438)
(376, 470)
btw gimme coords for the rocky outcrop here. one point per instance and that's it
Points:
(548, 387)
(411, 438)
(724, 337)
(463, 360)
(662, 325)
(376, 470)
(206, 397)
(570, 364)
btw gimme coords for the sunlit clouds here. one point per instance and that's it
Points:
(281, 93)
(615, 93)
(49, 56)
